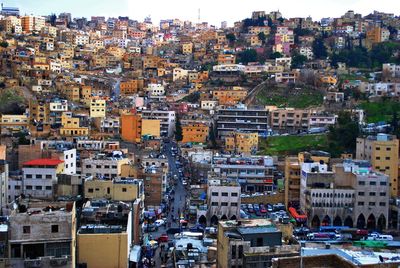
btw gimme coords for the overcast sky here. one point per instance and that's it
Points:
(213, 11)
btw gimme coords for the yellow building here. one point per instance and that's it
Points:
(97, 108)
(241, 142)
(187, 48)
(329, 80)
(292, 180)
(13, 123)
(230, 96)
(71, 126)
(151, 127)
(86, 95)
(103, 250)
(116, 189)
(195, 132)
(39, 111)
(383, 153)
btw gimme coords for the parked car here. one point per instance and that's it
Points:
(250, 208)
(270, 208)
(263, 209)
(163, 238)
(149, 227)
(173, 231)
(197, 229)
(256, 207)
(159, 223)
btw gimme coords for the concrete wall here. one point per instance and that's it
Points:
(272, 199)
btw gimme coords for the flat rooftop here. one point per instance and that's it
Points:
(247, 223)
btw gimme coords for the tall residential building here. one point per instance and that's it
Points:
(242, 143)
(223, 200)
(383, 153)
(131, 127)
(252, 243)
(167, 120)
(243, 119)
(32, 23)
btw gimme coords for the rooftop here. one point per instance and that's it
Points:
(43, 162)
(265, 223)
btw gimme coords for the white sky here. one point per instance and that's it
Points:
(213, 11)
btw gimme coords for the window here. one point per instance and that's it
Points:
(382, 204)
(361, 183)
(214, 204)
(233, 249)
(382, 194)
(224, 204)
(372, 194)
(372, 204)
(26, 229)
(39, 187)
(106, 166)
(372, 183)
(29, 176)
(113, 166)
(17, 187)
(388, 149)
(240, 251)
(234, 204)
(214, 193)
(234, 194)
(124, 190)
(260, 242)
(387, 158)
(383, 183)
(88, 166)
(48, 176)
(38, 176)
(377, 148)
(28, 187)
(97, 189)
(54, 228)
(224, 194)
(98, 166)
(360, 203)
(378, 158)
(90, 190)
(48, 187)
(361, 193)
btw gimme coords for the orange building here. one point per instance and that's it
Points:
(130, 87)
(195, 132)
(374, 35)
(131, 127)
(230, 97)
(226, 59)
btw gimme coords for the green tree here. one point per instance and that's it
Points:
(298, 60)
(319, 49)
(178, 129)
(246, 56)
(4, 44)
(262, 37)
(231, 38)
(342, 137)
(275, 55)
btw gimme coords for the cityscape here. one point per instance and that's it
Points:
(268, 141)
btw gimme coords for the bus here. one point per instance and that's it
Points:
(297, 215)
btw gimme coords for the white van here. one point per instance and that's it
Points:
(380, 237)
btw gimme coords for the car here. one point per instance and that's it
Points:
(149, 227)
(197, 229)
(184, 183)
(173, 231)
(256, 207)
(159, 223)
(243, 206)
(163, 238)
(250, 208)
(263, 209)
(257, 212)
(270, 208)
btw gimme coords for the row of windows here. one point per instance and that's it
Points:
(90, 190)
(27, 229)
(331, 205)
(372, 204)
(99, 166)
(372, 194)
(37, 187)
(223, 194)
(39, 176)
(382, 183)
(224, 204)
(342, 195)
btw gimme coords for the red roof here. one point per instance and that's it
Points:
(43, 162)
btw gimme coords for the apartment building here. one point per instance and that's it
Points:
(72, 126)
(289, 120)
(254, 173)
(167, 120)
(104, 165)
(223, 200)
(39, 178)
(117, 189)
(229, 96)
(41, 237)
(97, 108)
(131, 127)
(383, 153)
(195, 132)
(251, 243)
(351, 195)
(4, 178)
(241, 118)
(13, 123)
(151, 127)
(242, 143)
